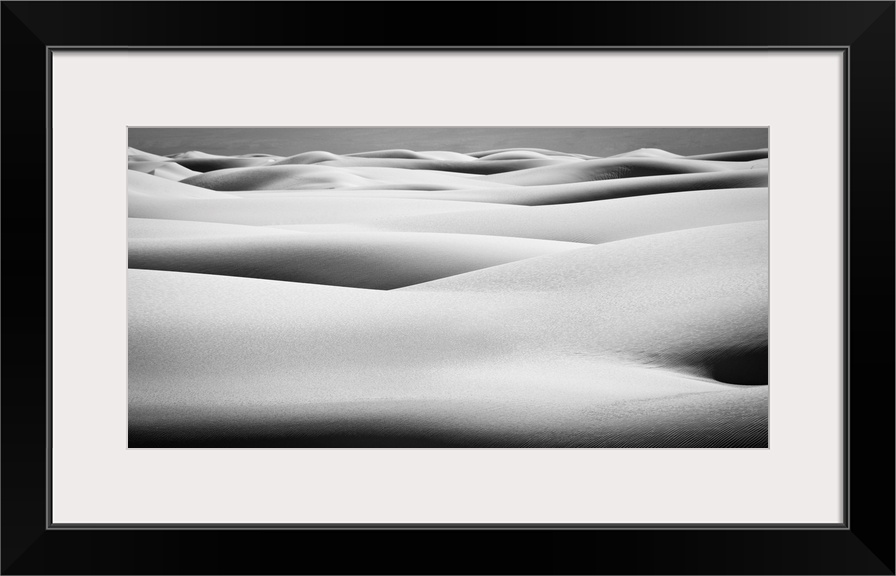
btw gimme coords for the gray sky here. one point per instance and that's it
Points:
(594, 141)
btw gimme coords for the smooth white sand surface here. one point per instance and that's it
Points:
(263, 361)
(401, 298)
(597, 221)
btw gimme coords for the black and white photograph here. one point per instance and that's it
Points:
(448, 287)
(522, 288)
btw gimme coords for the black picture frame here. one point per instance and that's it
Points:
(863, 31)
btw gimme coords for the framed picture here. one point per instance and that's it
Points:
(606, 276)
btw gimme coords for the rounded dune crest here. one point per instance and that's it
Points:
(394, 153)
(542, 151)
(312, 157)
(647, 153)
(518, 155)
(191, 154)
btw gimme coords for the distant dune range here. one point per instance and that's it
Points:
(399, 298)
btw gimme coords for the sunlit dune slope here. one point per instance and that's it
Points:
(682, 299)
(598, 221)
(145, 188)
(150, 228)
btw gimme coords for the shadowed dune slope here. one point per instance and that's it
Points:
(439, 160)
(730, 418)
(525, 155)
(470, 166)
(378, 260)
(324, 176)
(213, 164)
(290, 177)
(543, 194)
(509, 180)
(731, 156)
(734, 156)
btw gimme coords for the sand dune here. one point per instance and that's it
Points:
(135, 155)
(467, 166)
(150, 228)
(526, 151)
(323, 176)
(681, 323)
(533, 367)
(729, 156)
(541, 195)
(735, 156)
(272, 211)
(516, 297)
(173, 171)
(148, 166)
(598, 221)
(373, 260)
(523, 155)
(199, 161)
(289, 364)
(147, 187)
(498, 193)
(160, 198)
(410, 154)
(290, 177)
(612, 168)
(312, 157)
(212, 164)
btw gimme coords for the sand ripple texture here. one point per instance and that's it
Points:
(514, 298)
